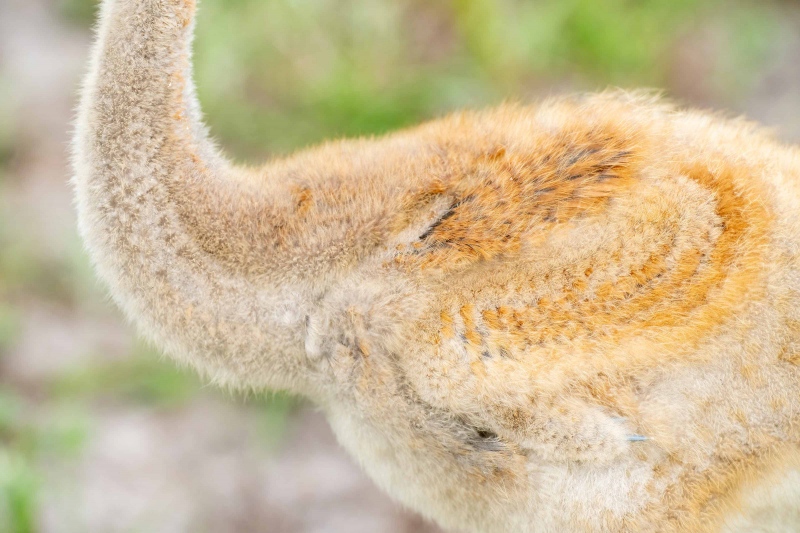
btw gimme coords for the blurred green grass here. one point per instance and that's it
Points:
(24, 444)
(274, 75)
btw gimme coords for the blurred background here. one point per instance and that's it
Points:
(100, 434)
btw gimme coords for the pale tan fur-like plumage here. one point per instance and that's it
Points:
(490, 308)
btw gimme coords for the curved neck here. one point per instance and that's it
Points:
(164, 215)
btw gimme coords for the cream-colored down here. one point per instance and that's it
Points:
(579, 316)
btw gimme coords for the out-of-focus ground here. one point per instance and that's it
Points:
(97, 433)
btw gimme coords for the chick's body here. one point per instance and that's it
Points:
(579, 277)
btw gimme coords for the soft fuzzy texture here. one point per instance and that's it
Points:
(490, 307)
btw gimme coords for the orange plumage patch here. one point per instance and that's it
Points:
(499, 199)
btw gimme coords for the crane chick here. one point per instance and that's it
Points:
(579, 316)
